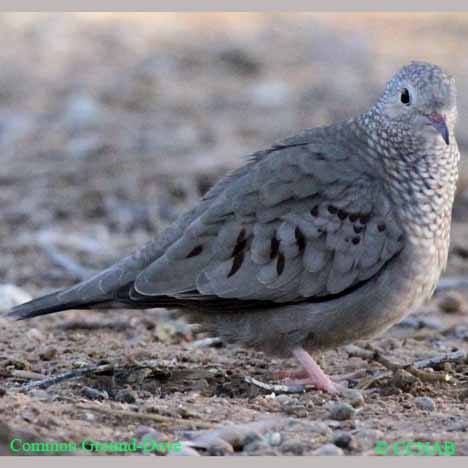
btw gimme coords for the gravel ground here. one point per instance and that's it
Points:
(110, 127)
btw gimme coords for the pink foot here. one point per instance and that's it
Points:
(315, 375)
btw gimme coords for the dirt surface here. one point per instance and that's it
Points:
(113, 125)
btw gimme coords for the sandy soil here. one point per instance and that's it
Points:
(110, 127)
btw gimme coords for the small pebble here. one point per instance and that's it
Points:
(273, 438)
(342, 411)
(283, 399)
(292, 446)
(328, 450)
(48, 354)
(342, 439)
(354, 397)
(126, 396)
(257, 447)
(34, 334)
(368, 437)
(425, 403)
(219, 447)
(93, 393)
(452, 302)
(146, 431)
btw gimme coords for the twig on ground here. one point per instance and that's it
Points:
(275, 388)
(154, 364)
(441, 359)
(374, 354)
(71, 374)
(26, 375)
(195, 423)
(418, 373)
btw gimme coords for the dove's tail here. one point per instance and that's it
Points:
(51, 303)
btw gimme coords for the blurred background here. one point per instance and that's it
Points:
(112, 124)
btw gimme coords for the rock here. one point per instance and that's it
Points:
(341, 411)
(257, 447)
(292, 446)
(328, 450)
(34, 334)
(219, 447)
(146, 431)
(342, 439)
(354, 397)
(425, 403)
(452, 302)
(11, 295)
(273, 438)
(283, 399)
(126, 396)
(368, 437)
(47, 354)
(94, 394)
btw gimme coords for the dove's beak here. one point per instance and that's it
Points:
(438, 122)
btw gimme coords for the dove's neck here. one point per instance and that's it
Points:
(419, 176)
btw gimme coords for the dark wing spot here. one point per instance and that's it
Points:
(241, 242)
(356, 240)
(314, 211)
(196, 251)
(381, 227)
(353, 217)
(358, 229)
(274, 247)
(300, 239)
(332, 209)
(364, 218)
(342, 214)
(280, 264)
(236, 263)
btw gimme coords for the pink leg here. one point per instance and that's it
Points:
(315, 375)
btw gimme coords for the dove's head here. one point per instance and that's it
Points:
(419, 103)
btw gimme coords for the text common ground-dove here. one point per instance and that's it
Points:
(328, 237)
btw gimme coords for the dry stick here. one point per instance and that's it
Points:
(275, 388)
(196, 423)
(71, 374)
(416, 370)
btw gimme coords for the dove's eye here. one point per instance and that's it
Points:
(405, 97)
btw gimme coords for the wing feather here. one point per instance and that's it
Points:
(301, 223)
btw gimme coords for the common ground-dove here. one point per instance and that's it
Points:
(327, 237)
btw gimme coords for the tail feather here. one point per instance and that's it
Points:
(48, 305)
